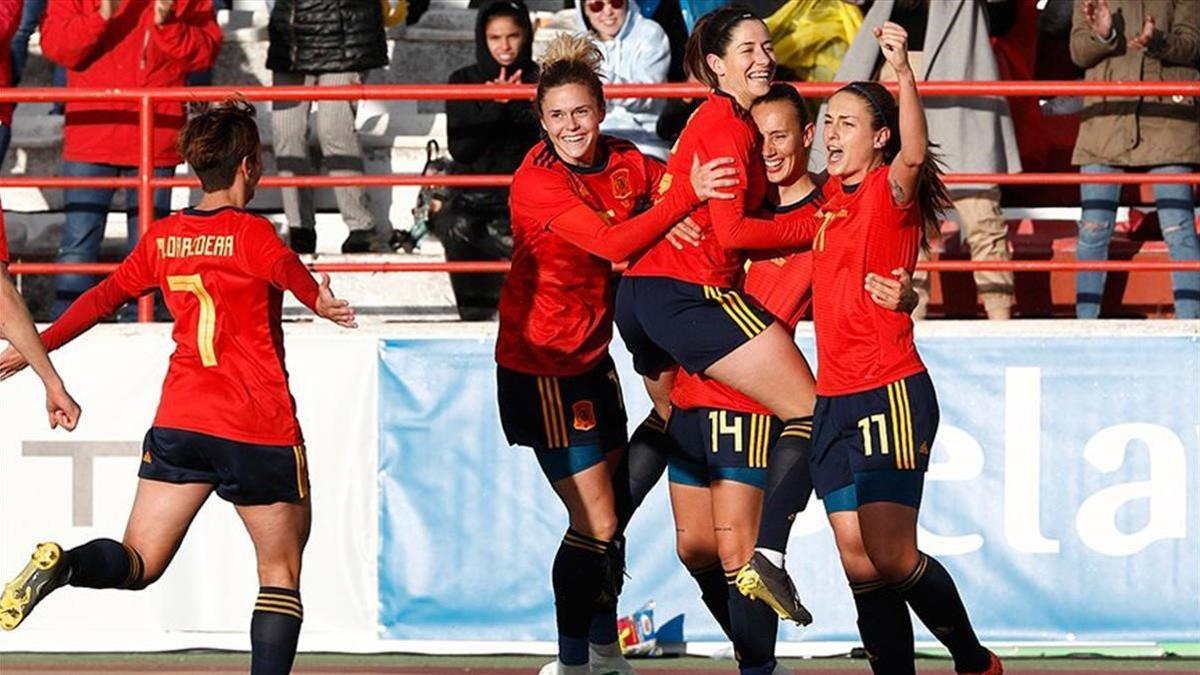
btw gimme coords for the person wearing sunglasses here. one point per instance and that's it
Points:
(635, 49)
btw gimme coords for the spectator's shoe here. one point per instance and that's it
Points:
(302, 239)
(45, 572)
(609, 664)
(402, 240)
(359, 241)
(994, 667)
(760, 580)
(556, 668)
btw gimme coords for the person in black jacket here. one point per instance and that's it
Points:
(330, 43)
(487, 137)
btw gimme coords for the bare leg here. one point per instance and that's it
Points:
(771, 370)
(279, 532)
(736, 511)
(696, 543)
(161, 515)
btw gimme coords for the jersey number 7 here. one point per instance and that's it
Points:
(192, 283)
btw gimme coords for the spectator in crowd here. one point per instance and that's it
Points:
(636, 50)
(31, 16)
(810, 37)
(323, 43)
(1131, 40)
(949, 41)
(10, 16)
(108, 44)
(487, 137)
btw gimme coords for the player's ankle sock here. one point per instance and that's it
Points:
(274, 630)
(104, 563)
(885, 628)
(754, 627)
(603, 630)
(579, 576)
(714, 591)
(638, 472)
(931, 593)
(788, 488)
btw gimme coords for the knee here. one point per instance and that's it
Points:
(857, 566)
(601, 526)
(892, 563)
(695, 553)
(1175, 234)
(1094, 233)
(279, 573)
(735, 554)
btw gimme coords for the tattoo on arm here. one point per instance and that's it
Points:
(898, 192)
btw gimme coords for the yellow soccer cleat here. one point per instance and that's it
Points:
(760, 580)
(44, 573)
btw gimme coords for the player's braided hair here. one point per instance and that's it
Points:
(216, 140)
(570, 59)
(932, 196)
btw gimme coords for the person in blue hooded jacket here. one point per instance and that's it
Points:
(636, 50)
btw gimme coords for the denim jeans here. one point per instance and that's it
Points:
(1176, 217)
(86, 215)
(31, 16)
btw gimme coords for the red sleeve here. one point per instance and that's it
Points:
(132, 278)
(10, 18)
(70, 31)
(190, 39)
(291, 275)
(564, 213)
(3, 242)
(732, 227)
(263, 255)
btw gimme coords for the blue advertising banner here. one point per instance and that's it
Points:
(1062, 496)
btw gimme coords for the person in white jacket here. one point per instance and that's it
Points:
(635, 49)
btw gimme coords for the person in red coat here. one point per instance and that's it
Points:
(119, 44)
(10, 18)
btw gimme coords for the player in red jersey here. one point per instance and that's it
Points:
(681, 307)
(226, 420)
(725, 475)
(574, 200)
(16, 326)
(877, 414)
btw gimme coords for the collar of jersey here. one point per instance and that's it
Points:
(807, 199)
(192, 211)
(597, 166)
(733, 104)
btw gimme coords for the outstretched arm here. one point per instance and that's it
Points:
(17, 327)
(904, 175)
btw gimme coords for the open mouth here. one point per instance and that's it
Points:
(774, 165)
(763, 76)
(835, 155)
(574, 138)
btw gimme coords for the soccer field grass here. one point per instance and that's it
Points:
(189, 663)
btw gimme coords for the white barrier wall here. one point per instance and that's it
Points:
(1066, 463)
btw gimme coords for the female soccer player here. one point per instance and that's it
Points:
(226, 420)
(877, 413)
(680, 306)
(723, 470)
(573, 204)
(16, 326)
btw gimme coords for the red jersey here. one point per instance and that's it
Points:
(782, 286)
(222, 275)
(860, 345)
(569, 225)
(719, 128)
(3, 241)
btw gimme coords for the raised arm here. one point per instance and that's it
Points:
(904, 175)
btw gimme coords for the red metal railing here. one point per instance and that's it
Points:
(146, 182)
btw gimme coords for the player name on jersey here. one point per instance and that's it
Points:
(200, 245)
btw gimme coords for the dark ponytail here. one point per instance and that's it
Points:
(712, 35)
(932, 197)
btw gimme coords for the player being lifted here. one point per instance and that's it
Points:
(574, 200)
(16, 326)
(226, 420)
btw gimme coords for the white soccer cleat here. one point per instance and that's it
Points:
(556, 668)
(607, 663)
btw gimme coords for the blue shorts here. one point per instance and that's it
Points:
(710, 445)
(548, 413)
(666, 322)
(243, 473)
(561, 463)
(874, 446)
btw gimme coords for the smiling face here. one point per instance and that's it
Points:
(571, 117)
(852, 147)
(785, 142)
(504, 39)
(605, 18)
(746, 69)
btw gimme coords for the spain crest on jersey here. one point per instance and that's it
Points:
(622, 187)
(585, 415)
